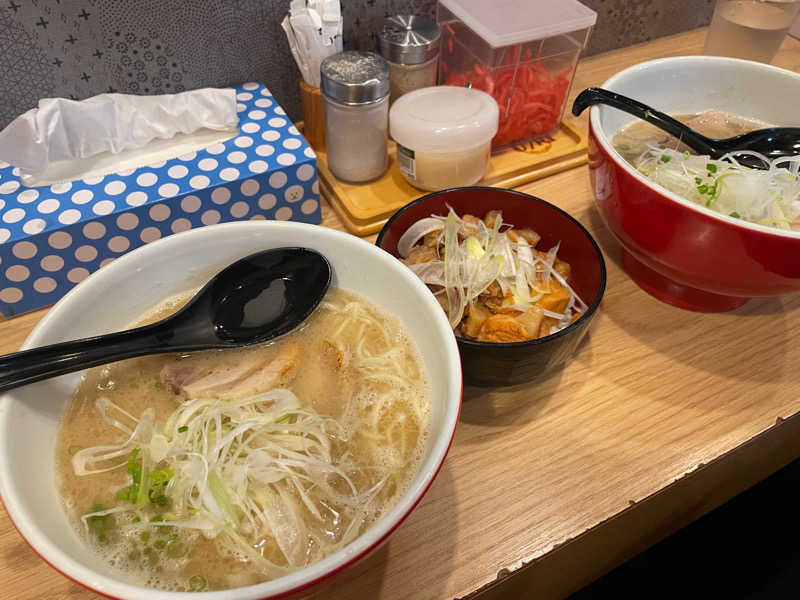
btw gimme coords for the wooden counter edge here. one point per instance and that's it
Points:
(640, 526)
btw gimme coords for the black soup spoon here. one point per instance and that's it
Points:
(773, 142)
(253, 300)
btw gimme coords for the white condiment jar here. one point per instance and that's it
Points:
(355, 86)
(443, 135)
(411, 46)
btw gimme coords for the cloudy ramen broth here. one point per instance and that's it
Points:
(635, 139)
(228, 468)
(768, 196)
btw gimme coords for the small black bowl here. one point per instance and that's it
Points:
(500, 364)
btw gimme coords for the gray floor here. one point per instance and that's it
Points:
(748, 548)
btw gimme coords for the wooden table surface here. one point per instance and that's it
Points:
(663, 415)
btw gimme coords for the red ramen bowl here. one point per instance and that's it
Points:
(679, 251)
(503, 364)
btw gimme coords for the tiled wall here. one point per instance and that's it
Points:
(79, 48)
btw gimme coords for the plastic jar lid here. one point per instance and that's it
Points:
(443, 119)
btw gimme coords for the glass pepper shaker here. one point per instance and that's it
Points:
(355, 87)
(411, 46)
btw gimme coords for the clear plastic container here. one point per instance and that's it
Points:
(522, 52)
(443, 136)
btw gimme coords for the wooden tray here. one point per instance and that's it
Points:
(364, 208)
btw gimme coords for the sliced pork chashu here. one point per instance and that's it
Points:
(231, 375)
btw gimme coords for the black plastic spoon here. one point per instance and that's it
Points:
(773, 142)
(253, 300)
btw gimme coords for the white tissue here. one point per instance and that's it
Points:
(66, 130)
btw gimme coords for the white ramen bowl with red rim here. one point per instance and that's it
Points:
(679, 251)
(116, 295)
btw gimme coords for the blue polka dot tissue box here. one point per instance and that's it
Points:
(54, 236)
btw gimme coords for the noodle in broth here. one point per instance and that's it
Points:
(768, 196)
(225, 483)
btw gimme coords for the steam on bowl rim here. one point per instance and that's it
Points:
(440, 440)
(596, 111)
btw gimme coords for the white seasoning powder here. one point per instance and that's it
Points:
(355, 86)
(356, 139)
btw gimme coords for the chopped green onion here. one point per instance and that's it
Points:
(736, 215)
(161, 500)
(183, 429)
(197, 583)
(142, 496)
(147, 466)
(133, 457)
(176, 549)
(99, 524)
(764, 196)
(665, 158)
(714, 191)
(160, 477)
(135, 466)
(222, 499)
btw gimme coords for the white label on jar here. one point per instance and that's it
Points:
(405, 162)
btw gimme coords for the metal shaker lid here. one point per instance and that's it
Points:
(409, 39)
(353, 77)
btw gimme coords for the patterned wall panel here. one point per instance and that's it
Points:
(625, 22)
(79, 48)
